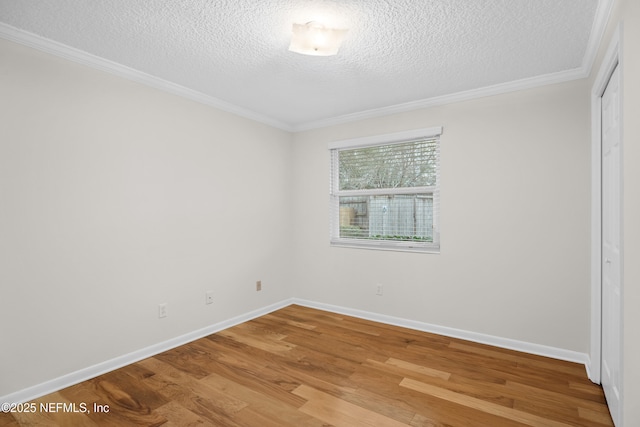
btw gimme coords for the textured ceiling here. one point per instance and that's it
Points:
(395, 52)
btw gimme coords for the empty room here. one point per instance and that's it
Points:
(320, 213)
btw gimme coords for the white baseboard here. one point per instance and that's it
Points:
(591, 372)
(76, 377)
(526, 347)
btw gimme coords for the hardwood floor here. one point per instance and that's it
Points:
(304, 367)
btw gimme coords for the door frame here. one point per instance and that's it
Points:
(612, 58)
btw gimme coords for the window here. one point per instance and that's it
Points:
(384, 191)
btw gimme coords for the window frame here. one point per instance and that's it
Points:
(335, 193)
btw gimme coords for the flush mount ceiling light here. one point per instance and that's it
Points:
(315, 39)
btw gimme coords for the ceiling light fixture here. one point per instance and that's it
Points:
(315, 39)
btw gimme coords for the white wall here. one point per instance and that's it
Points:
(627, 13)
(514, 259)
(115, 197)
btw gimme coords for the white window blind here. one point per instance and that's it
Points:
(385, 191)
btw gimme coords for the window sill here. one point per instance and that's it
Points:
(386, 246)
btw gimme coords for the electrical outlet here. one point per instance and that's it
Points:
(379, 289)
(259, 285)
(208, 297)
(162, 310)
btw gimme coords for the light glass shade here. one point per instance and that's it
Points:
(315, 39)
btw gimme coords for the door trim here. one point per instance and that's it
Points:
(612, 58)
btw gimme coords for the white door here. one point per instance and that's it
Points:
(611, 229)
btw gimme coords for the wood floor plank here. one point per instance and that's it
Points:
(594, 416)
(303, 367)
(489, 392)
(251, 367)
(529, 392)
(189, 360)
(506, 354)
(128, 399)
(269, 409)
(177, 386)
(289, 322)
(7, 420)
(266, 344)
(481, 405)
(423, 370)
(178, 415)
(482, 369)
(386, 382)
(353, 392)
(215, 407)
(433, 410)
(339, 412)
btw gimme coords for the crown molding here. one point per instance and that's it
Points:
(603, 13)
(600, 21)
(43, 44)
(516, 85)
(49, 46)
